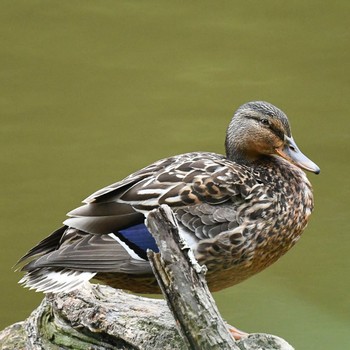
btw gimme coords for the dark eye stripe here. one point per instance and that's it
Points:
(277, 131)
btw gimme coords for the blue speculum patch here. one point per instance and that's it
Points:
(140, 238)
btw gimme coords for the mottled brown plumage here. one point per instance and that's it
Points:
(239, 213)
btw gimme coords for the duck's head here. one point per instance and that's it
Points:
(259, 129)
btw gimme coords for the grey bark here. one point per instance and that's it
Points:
(99, 317)
(183, 284)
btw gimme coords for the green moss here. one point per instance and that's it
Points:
(13, 337)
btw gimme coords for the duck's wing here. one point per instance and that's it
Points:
(182, 181)
(204, 189)
(108, 232)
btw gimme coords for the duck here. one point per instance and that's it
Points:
(239, 212)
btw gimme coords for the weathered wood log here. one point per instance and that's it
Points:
(95, 317)
(99, 317)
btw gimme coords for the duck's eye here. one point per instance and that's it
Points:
(265, 121)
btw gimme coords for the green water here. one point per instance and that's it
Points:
(93, 90)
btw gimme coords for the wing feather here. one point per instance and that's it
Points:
(89, 252)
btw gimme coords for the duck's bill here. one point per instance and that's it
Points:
(292, 153)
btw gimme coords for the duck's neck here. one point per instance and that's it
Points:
(248, 159)
(240, 148)
(236, 153)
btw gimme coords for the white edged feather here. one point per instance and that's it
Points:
(47, 280)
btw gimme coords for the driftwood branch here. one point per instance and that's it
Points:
(99, 317)
(182, 282)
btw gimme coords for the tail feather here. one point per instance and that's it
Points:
(53, 280)
(47, 245)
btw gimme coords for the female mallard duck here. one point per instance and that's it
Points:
(239, 213)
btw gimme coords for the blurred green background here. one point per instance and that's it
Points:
(93, 90)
